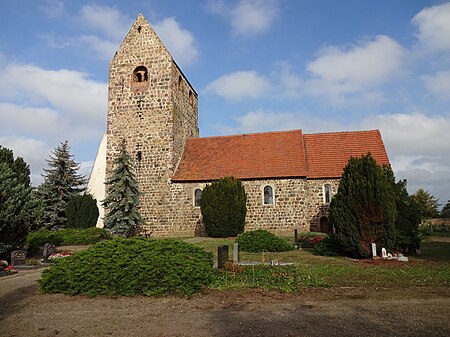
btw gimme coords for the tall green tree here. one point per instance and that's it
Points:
(18, 205)
(82, 211)
(428, 204)
(363, 210)
(122, 197)
(223, 207)
(445, 212)
(61, 182)
(408, 219)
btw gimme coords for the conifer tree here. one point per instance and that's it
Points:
(82, 211)
(223, 207)
(428, 204)
(18, 206)
(363, 210)
(61, 182)
(122, 197)
(445, 212)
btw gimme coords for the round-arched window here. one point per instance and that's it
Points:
(140, 74)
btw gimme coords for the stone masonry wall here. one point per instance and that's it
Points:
(316, 205)
(143, 108)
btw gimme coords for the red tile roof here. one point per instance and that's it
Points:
(284, 154)
(328, 153)
(249, 156)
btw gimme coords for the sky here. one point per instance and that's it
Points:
(257, 65)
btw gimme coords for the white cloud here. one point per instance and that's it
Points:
(52, 8)
(438, 84)
(239, 85)
(433, 24)
(41, 107)
(33, 151)
(338, 72)
(102, 48)
(108, 20)
(180, 42)
(247, 17)
(61, 89)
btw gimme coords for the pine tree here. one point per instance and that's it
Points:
(122, 197)
(363, 210)
(61, 182)
(18, 205)
(223, 207)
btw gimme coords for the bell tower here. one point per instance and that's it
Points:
(153, 107)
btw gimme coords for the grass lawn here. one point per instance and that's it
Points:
(431, 269)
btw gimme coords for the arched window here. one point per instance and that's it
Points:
(180, 83)
(191, 98)
(268, 195)
(197, 197)
(140, 74)
(327, 193)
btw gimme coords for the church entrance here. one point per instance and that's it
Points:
(325, 226)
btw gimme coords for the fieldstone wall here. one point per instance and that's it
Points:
(154, 114)
(316, 206)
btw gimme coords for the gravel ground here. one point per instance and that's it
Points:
(317, 312)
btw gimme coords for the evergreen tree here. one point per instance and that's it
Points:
(428, 204)
(82, 211)
(445, 212)
(18, 206)
(61, 182)
(223, 207)
(122, 197)
(363, 210)
(408, 219)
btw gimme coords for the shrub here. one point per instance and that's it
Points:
(310, 239)
(262, 241)
(133, 266)
(328, 246)
(82, 211)
(41, 237)
(66, 237)
(223, 207)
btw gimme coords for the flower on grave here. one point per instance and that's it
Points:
(3, 264)
(316, 239)
(59, 255)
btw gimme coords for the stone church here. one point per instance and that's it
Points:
(289, 177)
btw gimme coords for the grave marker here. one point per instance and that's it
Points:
(222, 256)
(18, 257)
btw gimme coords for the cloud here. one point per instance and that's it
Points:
(52, 8)
(103, 49)
(239, 85)
(108, 20)
(33, 151)
(438, 84)
(247, 17)
(338, 73)
(41, 107)
(179, 41)
(433, 24)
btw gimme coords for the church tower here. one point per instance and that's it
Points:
(153, 107)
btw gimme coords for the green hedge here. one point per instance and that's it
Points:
(67, 236)
(134, 266)
(262, 241)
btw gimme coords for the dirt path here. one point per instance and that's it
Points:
(320, 312)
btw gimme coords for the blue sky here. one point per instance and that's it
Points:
(258, 65)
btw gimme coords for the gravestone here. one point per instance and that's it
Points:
(236, 253)
(49, 249)
(295, 236)
(18, 257)
(374, 249)
(222, 256)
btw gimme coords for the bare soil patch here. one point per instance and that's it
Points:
(317, 312)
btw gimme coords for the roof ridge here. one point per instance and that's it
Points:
(250, 134)
(340, 132)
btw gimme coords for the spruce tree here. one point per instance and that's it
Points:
(363, 210)
(18, 205)
(61, 182)
(445, 212)
(223, 207)
(122, 197)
